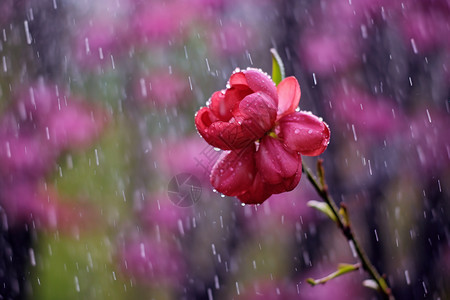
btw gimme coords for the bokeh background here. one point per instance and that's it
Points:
(97, 102)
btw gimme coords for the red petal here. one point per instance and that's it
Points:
(289, 183)
(288, 96)
(305, 133)
(258, 113)
(256, 193)
(220, 107)
(260, 82)
(225, 135)
(238, 78)
(204, 118)
(275, 162)
(234, 171)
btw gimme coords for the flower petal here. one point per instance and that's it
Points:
(256, 193)
(238, 78)
(261, 82)
(305, 133)
(288, 96)
(204, 118)
(289, 183)
(219, 107)
(258, 112)
(234, 171)
(275, 162)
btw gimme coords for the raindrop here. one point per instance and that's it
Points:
(428, 115)
(180, 227)
(364, 31)
(27, 32)
(424, 287)
(190, 82)
(413, 45)
(77, 284)
(354, 133)
(32, 258)
(376, 235)
(86, 45)
(5, 67)
(8, 150)
(207, 65)
(352, 247)
(112, 62)
(216, 282)
(142, 249)
(97, 162)
(185, 53)
(408, 280)
(210, 294)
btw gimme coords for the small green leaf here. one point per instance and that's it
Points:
(371, 284)
(344, 213)
(311, 281)
(323, 207)
(342, 269)
(277, 67)
(345, 268)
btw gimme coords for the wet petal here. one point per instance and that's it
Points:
(288, 184)
(236, 134)
(288, 96)
(275, 162)
(234, 171)
(204, 118)
(258, 112)
(260, 82)
(219, 107)
(256, 192)
(238, 78)
(305, 133)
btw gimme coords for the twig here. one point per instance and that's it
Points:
(343, 222)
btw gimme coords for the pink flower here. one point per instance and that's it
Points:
(61, 120)
(22, 151)
(427, 136)
(96, 43)
(160, 211)
(231, 38)
(189, 155)
(151, 261)
(266, 155)
(328, 51)
(162, 89)
(30, 201)
(371, 116)
(241, 114)
(160, 22)
(423, 26)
